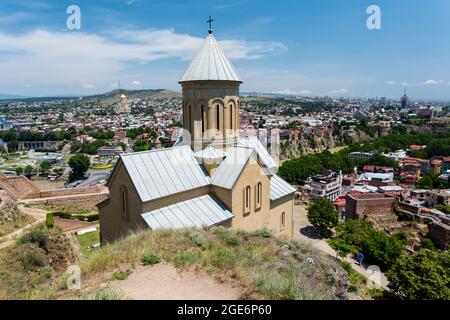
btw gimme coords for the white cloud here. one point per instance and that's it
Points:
(337, 91)
(136, 83)
(60, 60)
(391, 82)
(432, 82)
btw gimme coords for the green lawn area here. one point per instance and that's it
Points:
(87, 240)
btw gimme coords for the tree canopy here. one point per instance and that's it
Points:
(424, 275)
(79, 164)
(323, 216)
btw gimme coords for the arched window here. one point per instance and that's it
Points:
(283, 221)
(124, 202)
(218, 116)
(202, 110)
(231, 115)
(247, 195)
(258, 196)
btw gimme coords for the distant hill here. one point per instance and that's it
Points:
(4, 96)
(112, 97)
(106, 98)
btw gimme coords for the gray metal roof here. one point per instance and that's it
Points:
(159, 173)
(204, 211)
(210, 153)
(210, 63)
(279, 188)
(230, 169)
(264, 155)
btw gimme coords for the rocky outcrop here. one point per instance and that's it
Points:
(8, 207)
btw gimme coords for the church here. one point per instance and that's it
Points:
(210, 177)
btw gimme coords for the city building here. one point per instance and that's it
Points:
(210, 177)
(327, 185)
(360, 205)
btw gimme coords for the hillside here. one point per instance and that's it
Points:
(113, 96)
(230, 265)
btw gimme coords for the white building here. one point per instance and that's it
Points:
(328, 185)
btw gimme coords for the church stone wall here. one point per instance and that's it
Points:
(257, 218)
(113, 225)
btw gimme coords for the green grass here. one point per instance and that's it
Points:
(87, 240)
(12, 225)
(104, 294)
(150, 260)
(122, 275)
(262, 266)
(30, 268)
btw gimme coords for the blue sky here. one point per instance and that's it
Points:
(319, 47)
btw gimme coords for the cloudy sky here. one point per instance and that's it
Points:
(319, 47)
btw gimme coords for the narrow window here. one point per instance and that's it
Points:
(231, 115)
(203, 118)
(258, 195)
(247, 200)
(218, 117)
(124, 202)
(283, 221)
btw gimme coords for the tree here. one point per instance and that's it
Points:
(383, 249)
(323, 216)
(122, 145)
(429, 181)
(79, 164)
(28, 169)
(19, 171)
(45, 166)
(425, 275)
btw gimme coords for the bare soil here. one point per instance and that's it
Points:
(164, 282)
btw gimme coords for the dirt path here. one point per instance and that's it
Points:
(303, 231)
(39, 216)
(164, 282)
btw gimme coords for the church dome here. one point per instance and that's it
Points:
(210, 63)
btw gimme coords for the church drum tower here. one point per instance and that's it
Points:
(210, 91)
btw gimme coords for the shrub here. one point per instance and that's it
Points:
(264, 233)
(427, 243)
(122, 275)
(197, 238)
(150, 260)
(37, 236)
(105, 294)
(92, 217)
(219, 231)
(31, 256)
(232, 240)
(49, 221)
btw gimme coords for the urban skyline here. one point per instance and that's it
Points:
(297, 48)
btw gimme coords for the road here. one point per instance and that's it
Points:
(303, 231)
(95, 177)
